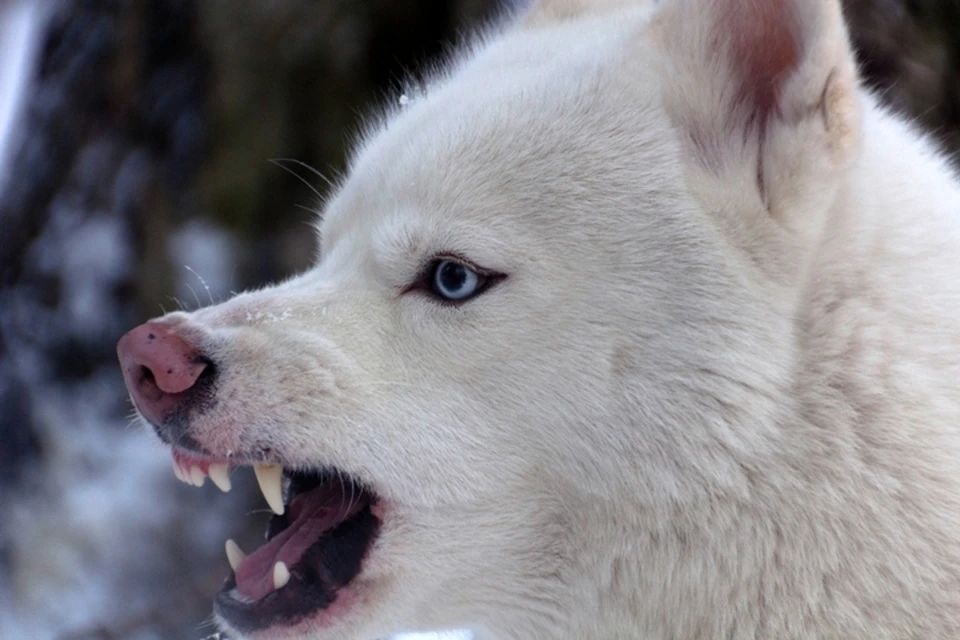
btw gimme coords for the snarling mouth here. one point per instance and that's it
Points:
(322, 529)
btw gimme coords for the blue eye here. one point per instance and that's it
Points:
(454, 281)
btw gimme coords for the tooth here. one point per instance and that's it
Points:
(220, 476)
(235, 554)
(269, 477)
(281, 576)
(197, 476)
(176, 470)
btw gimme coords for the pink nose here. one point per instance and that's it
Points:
(159, 367)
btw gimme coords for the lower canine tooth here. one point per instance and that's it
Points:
(269, 477)
(281, 576)
(220, 476)
(235, 554)
(197, 476)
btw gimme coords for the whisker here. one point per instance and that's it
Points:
(206, 623)
(308, 210)
(202, 282)
(195, 296)
(306, 166)
(353, 488)
(279, 162)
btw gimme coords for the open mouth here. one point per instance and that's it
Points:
(322, 529)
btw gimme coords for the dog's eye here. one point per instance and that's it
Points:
(455, 281)
(452, 280)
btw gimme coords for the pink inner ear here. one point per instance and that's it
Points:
(763, 40)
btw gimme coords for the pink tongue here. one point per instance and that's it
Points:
(312, 513)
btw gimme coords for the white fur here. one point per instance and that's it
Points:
(718, 393)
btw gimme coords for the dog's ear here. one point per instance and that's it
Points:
(761, 87)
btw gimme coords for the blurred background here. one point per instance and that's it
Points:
(135, 139)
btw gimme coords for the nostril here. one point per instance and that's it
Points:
(206, 374)
(163, 368)
(146, 387)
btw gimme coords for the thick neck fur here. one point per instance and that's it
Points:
(849, 529)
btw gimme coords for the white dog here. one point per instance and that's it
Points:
(642, 322)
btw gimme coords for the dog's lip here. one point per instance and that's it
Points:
(188, 458)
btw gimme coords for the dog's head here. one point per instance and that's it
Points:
(553, 295)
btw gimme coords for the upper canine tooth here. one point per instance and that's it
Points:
(220, 476)
(269, 477)
(281, 576)
(235, 554)
(197, 476)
